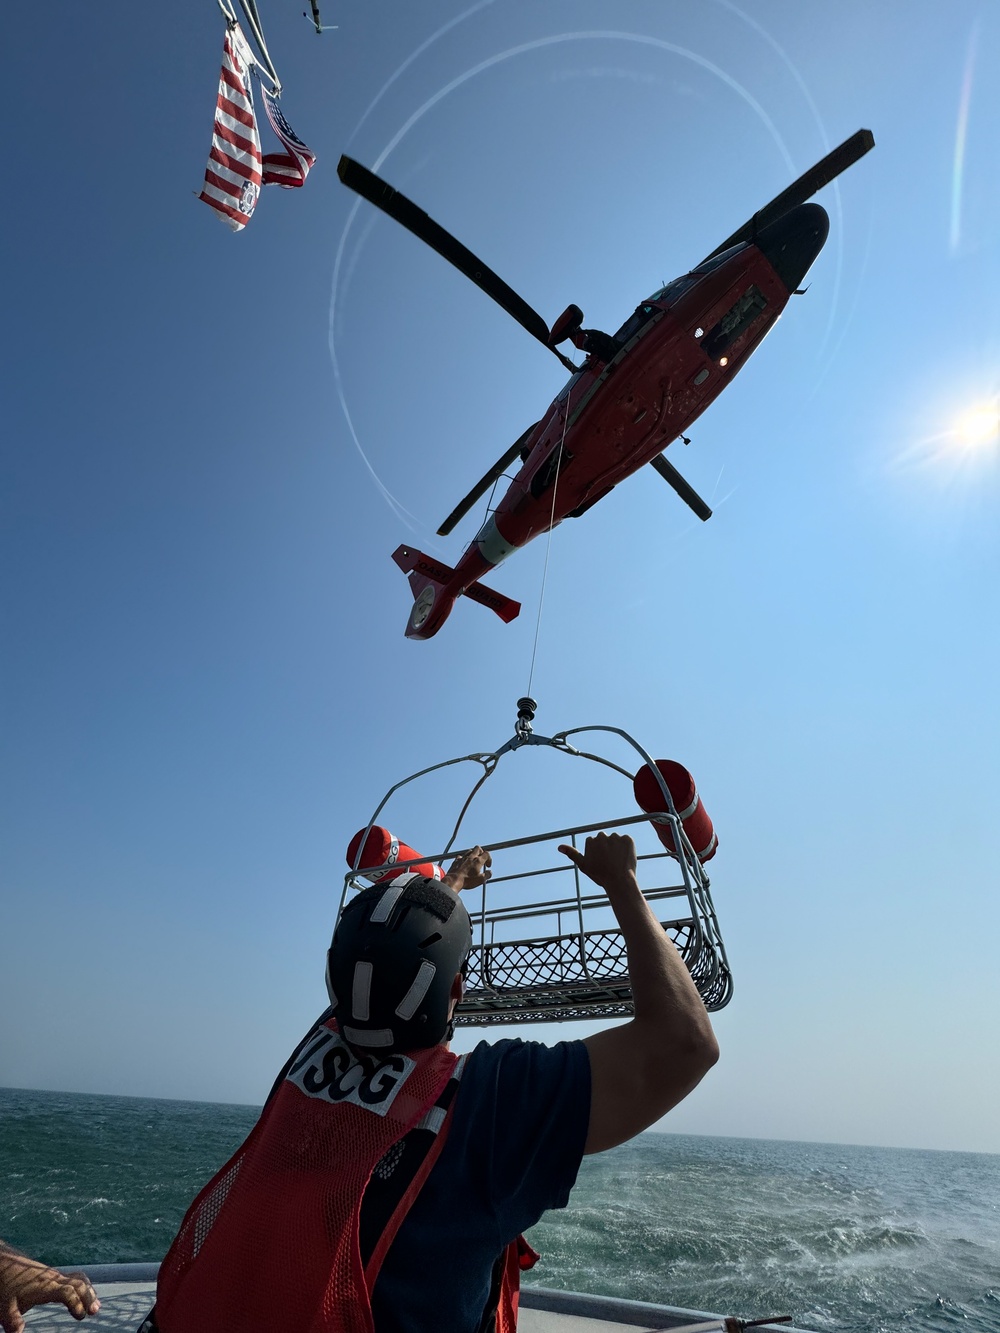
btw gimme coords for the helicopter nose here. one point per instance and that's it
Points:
(792, 243)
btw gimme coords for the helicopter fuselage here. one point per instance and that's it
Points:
(674, 356)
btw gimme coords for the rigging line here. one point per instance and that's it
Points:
(249, 8)
(262, 74)
(548, 541)
(262, 71)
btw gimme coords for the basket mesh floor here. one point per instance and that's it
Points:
(572, 976)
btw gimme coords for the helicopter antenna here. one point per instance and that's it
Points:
(316, 21)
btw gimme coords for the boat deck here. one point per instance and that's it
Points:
(127, 1292)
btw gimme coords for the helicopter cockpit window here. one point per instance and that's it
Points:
(717, 260)
(646, 311)
(635, 322)
(673, 289)
(737, 318)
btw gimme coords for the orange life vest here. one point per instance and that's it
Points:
(273, 1238)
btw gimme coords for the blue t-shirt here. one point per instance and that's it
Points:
(516, 1141)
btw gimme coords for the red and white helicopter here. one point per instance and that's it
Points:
(637, 390)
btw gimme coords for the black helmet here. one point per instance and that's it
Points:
(394, 956)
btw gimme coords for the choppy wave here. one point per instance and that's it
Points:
(860, 1239)
(863, 1240)
(106, 1179)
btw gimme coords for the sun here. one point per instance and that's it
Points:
(977, 426)
(965, 446)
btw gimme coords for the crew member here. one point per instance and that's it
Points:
(388, 1181)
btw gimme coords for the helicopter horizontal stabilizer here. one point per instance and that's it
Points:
(432, 602)
(505, 607)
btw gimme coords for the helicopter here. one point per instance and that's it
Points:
(638, 390)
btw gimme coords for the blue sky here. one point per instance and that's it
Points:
(205, 684)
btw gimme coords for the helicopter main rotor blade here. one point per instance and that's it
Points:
(415, 220)
(684, 489)
(483, 485)
(826, 170)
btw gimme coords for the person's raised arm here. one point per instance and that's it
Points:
(469, 870)
(25, 1283)
(646, 1066)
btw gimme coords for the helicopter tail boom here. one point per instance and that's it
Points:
(432, 584)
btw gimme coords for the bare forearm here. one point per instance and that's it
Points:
(640, 1070)
(643, 1068)
(664, 996)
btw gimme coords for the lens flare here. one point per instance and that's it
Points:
(961, 134)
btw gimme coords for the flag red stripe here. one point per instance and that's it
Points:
(237, 112)
(220, 183)
(237, 140)
(282, 176)
(234, 81)
(234, 164)
(217, 204)
(279, 165)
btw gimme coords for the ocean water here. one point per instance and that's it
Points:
(867, 1240)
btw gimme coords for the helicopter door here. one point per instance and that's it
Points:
(547, 472)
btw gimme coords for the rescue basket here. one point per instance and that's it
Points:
(545, 953)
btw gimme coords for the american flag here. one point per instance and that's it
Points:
(289, 169)
(236, 171)
(233, 176)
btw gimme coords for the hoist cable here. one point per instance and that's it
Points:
(548, 542)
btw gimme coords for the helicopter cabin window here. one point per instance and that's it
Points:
(736, 319)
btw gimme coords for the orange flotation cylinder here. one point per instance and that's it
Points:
(383, 848)
(688, 804)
